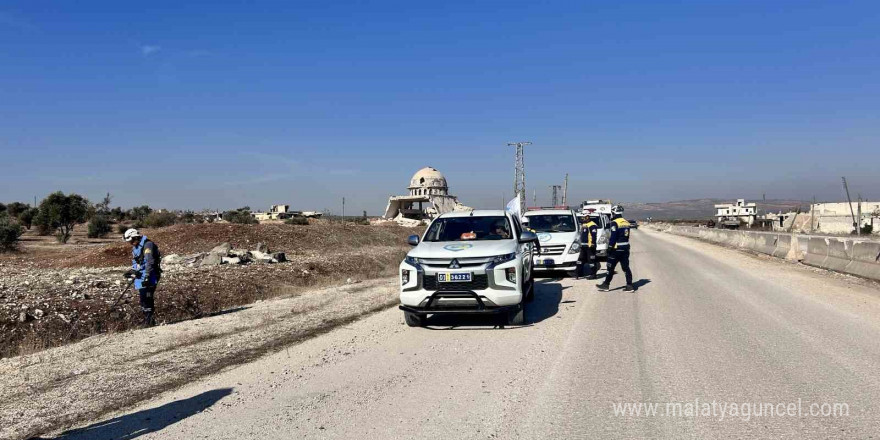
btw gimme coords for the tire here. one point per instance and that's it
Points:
(516, 317)
(530, 292)
(414, 320)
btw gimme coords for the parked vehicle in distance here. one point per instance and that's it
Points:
(558, 232)
(468, 262)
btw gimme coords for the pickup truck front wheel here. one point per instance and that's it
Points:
(516, 317)
(414, 320)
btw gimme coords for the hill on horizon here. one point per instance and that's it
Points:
(696, 209)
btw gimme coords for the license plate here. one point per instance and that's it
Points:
(447, 277)
(546, 262)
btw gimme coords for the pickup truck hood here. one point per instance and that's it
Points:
(557, 237)
(463, 249)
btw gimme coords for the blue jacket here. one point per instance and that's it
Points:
(589, 229)
(619, 238)
(145, 258)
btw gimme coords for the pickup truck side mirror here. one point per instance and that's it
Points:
(528, 237)
(413, 240)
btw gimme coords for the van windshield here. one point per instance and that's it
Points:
(469, 229)
(552, 223)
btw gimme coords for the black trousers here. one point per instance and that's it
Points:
(587, 264)
(618, 256)
(148, 297)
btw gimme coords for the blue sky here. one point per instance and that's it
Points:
(198, 104)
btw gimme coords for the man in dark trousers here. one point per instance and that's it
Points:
(618, 250)
(589, 229)
(145, 270)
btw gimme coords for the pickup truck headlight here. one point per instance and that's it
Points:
(413, 261)
(404, 277)
(498, 259)
(575, 248)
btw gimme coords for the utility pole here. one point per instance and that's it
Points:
(519, 177)
(554, 189)
(535, 197)
(343, 211)
(812, 213)
(565, 190)
(849, 200)
(859, 218)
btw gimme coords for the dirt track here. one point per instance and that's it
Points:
(707, 323)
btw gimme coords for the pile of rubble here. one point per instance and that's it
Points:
(225, 254)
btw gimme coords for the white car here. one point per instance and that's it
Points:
(468, 262)
(558, 232)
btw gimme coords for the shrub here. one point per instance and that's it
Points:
(99, 226)
(239, 216)
(26, 218)
(121, 228)
(360, 221)
(160, 219)
(191, 217)
(867, 229)
(61, 213)
(139, 212)
(297, 221)
(10, 231)
(15, 209)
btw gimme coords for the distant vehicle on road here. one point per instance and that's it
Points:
(634, 224)
(559, 236)
(468, 262)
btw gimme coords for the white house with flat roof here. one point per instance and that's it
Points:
(744, 212)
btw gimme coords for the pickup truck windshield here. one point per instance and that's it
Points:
(469, 229)
(552, 223)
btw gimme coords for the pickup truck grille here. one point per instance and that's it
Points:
(480, 282)
(552, 249)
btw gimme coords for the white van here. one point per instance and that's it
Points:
(558, 232)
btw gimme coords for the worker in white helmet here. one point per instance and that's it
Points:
(618, 250)
(146, 271)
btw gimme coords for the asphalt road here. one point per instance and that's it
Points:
(708, 328)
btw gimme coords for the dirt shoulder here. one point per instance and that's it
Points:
(59, 387)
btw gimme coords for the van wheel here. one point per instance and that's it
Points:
(516, 317)
(414, 320)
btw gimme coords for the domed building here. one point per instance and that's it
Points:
(428, 197)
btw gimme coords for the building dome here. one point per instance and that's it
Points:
(428, 181)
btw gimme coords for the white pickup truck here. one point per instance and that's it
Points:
(558, 232)
(468, 262)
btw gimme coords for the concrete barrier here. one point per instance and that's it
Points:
(865, 260)
(765, 243)
(841, 254)
(817, 251)
(783, 246)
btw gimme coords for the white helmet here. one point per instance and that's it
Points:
(617, 210)
(131, 233)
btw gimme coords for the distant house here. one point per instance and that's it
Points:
(740, 212)
(278, 212)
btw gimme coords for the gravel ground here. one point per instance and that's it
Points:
(62, 386)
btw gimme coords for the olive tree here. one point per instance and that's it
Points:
(61, 213)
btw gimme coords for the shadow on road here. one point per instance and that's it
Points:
(548, 294)
(636, 284)
(134, 425)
